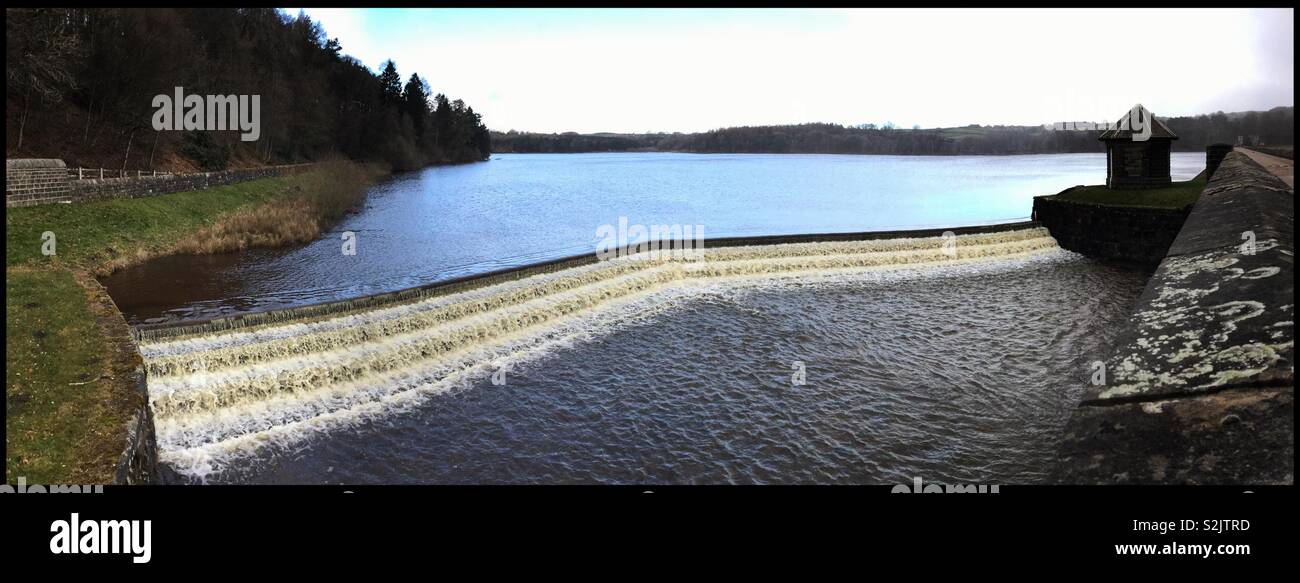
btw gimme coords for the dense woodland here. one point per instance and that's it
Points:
(80, 82)
(1275, 126)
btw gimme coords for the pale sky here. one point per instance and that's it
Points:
(642, 70)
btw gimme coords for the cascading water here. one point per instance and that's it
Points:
(229, 393)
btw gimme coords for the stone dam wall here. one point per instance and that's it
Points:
(30, 182)
(1200, 387)
(1127, 234)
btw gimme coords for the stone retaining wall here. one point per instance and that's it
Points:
(32, 182)
(139, 461)
(1128, 234)
(35, 181)
(135, 187)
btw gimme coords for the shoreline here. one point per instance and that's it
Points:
(74, 386)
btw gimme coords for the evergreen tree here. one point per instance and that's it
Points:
(415, 102)
(442, 121)
(390, 82)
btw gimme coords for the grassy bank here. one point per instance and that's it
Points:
(1174, 196)
(68, 356)
(68, 395)
(106, 235)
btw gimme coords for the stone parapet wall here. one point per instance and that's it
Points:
(33, 182)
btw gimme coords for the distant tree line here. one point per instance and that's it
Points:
(514, 141)
(80, 83)
(1275, 126)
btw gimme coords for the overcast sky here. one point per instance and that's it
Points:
(623, 70)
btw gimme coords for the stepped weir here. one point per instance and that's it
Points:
(223, 387)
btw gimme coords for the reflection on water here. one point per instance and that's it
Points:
(450, 221)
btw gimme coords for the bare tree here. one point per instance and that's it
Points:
(39, 53)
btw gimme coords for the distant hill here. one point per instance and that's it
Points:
(1275, 126)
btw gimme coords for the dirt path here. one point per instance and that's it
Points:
(1280, 167)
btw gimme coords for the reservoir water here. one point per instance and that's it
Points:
(444, 222)
(842, 363)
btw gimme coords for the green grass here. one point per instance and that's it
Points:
(90, 234)
(1174, 196)
(58, 406)
(68, 356)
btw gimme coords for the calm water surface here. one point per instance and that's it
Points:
(445, 222)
